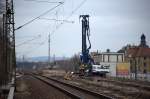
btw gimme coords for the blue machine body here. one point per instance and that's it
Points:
(85, 57)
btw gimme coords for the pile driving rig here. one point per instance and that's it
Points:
(86, 60)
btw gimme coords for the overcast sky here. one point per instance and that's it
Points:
(113, 24)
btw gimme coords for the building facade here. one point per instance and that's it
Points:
(139, 57)
(110, 59)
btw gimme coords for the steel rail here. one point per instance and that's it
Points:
(131, 84)
(102, 96)
(75, 96)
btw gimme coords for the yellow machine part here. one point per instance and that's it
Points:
(68, 76)
(82, 69)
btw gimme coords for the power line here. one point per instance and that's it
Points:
(42, 1)
(28, 41)
(66, 18)
(25, 37)
(37, 47)
(79, 6)
(58, 26)
(39, 16)
(57, 20)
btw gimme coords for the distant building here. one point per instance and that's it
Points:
(125, 48)
(143, 42)
(139, 57)
(108, 58)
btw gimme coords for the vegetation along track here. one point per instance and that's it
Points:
(71, 90)
(117, 89)
(142, 85)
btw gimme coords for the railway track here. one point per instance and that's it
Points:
(73, 91)
(131, 84)
(120, 89)
(135, 84)
(29, 87)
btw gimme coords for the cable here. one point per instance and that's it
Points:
(58, 20)
(28, 41)
(58, 26)
(39, 16)
(42, 1)
(37, 47)
(79, 6)
(25, 37)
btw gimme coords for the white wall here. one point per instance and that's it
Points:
(112, 57)
(112, 68)
(120, 58)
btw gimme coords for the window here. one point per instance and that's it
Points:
(97, 63)
(138, 68)
(131, 61)
(144, 64)
(94, 67)
(144, 71)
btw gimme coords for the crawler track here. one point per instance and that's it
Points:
(71, 90)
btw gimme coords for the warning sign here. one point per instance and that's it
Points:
(123, 68)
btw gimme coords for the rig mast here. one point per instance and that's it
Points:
(85, 57)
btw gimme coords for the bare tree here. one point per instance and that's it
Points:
(71, 64)
(75, 61)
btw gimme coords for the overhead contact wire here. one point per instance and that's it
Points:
(39, 16)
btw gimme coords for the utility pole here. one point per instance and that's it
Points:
(53, 61)
(10, 39)
(54, 58)
(49, 57)
(135, 69)
(23, 61)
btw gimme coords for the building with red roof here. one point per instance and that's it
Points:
(139, 57)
